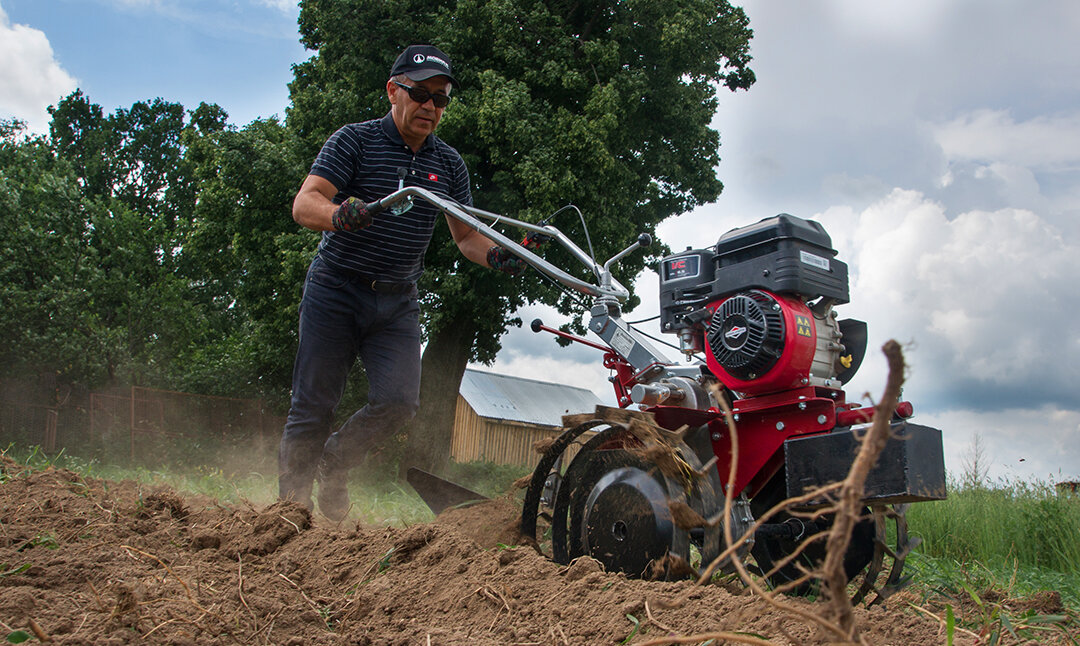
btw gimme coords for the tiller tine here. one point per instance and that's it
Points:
(440, 494)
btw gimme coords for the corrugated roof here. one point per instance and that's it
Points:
(524, 400)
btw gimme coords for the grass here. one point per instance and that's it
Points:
(991, 546)
(1030, 524)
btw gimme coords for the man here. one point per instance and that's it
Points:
(360, 295)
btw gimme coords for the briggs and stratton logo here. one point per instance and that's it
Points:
(735, 332)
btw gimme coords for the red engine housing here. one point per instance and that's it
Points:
(758, 342)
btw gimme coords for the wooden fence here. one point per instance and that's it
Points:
(137, 419)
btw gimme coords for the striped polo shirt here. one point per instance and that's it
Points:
(362, 160)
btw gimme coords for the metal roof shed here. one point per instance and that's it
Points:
(499, 418)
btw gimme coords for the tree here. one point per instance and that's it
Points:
(46, 261)
(251, 258)
(94, 220)
(604, 104)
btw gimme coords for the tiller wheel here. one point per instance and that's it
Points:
(613, 501)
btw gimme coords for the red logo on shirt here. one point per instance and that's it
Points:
(432, 177)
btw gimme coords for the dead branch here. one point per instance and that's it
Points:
(729, 493)
(851, 493)
(704, 637)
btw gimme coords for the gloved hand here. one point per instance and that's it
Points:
(505, 261)
(352, 215)
(534, 239)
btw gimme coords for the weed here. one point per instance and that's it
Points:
(384, 562)
(41, 540)
(988, 614)
(6, 570)
(327, 614)
(634, 632)
(18, 637)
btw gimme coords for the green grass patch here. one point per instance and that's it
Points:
(487, 478)
(947, 579)
(1020, 525)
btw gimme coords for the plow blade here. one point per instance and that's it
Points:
(440, 494)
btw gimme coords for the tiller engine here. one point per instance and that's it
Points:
(642, 489)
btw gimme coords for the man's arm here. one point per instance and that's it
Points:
(473, 244)
(313, 206)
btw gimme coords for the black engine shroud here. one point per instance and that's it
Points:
(783, 254)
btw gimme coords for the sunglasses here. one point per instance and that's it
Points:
(421, 96)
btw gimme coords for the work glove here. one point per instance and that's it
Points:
(352, 215)
(505, 261)
(534, 239)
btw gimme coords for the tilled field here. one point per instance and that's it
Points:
(86, 561)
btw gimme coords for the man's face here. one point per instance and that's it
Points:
(415, 121)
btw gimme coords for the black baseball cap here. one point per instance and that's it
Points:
(420, 62)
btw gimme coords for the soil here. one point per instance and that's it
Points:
(86, 561)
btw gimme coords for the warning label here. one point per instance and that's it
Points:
(802, 326)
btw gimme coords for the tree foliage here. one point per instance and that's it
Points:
(104, 279)
(249, 258)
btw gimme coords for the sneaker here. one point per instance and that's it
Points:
(333, 493)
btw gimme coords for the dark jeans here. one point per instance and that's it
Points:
(341, 318)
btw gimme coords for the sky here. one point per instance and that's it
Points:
(938, 142)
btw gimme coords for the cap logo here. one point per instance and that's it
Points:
(418, 59)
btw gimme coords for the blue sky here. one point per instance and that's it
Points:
(937, 141)
(237, 54)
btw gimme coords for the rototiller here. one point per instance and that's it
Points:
(642, 489)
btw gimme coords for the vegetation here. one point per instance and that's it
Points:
(1014, 535)
(1031, 524)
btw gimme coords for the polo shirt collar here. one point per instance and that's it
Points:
(390, 128)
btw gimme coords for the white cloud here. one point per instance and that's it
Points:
(284, 6)
(1046, 142)
(900, 21)
(1041, 443)
(987, 298)
(30, 77)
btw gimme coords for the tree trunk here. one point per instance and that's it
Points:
(430, 432)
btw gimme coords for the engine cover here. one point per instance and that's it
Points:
(758, 342)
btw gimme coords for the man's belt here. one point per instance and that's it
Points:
(383, 286)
